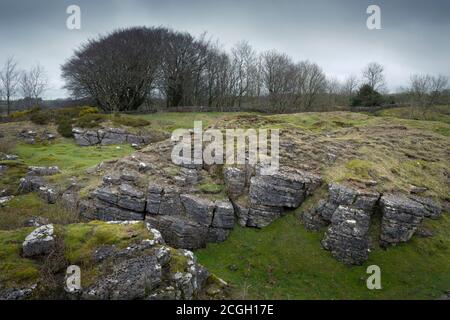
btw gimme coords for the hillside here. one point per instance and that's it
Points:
(382, 154)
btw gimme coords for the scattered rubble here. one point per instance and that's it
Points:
(5, 200)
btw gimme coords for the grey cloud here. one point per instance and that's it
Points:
(332, 33)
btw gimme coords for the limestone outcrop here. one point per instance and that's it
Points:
(146, 268)
(402, 216)
(347, 213)
(259, 199)
(347, 237)
(108, 136)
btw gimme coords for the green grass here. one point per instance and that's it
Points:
(169, 121)
(22, 207)
(82, 239)
(284, 261)
(15, 270)
(434, 113)
(68, 156)
(79, 243)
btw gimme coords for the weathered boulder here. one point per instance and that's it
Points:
(10, 157)
(198, 209)
(17, 294)
(39, 242)
(401, 218)
(43, 171)
(432, 209)
(187, 177)
(100, 210)
(131, 279)
(131, 198)
(86, 137)
(260, 216)
(312, 218)
(342, 195)
(30, 184)
(36, 222)
(170, 202)
(4, 200)
(223, 215)
(347, 238)
(179, 231)
(287, 188)
(48, 194)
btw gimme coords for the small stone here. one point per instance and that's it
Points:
(36, 222)
(39, 242)
(417, 190)
(233, 267)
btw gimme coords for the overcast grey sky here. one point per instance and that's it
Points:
(415, 35)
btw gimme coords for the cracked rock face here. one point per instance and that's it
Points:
(39, 242)
(283, 189)
(147, 270)
(194, 222)
(108, 136)
(348, 211)
(268, 194)
(343, 195)
(401, 218)
(347, 238)
(130, 279)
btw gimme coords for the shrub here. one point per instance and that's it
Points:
(88, 110)
(40, 117)
(65, 127)
(129, 121)
(21, 114)
(367, 97)
(90, 120)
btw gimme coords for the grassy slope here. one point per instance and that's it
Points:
(267, 267)
(70, 158)
(284, 261)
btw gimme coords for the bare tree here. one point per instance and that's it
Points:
(244, 59)
(350, 85)
(34, 82)
(426, 89)
(373, 75)
(333, 88)
(279, 78)
(314, 83)
(9, 77)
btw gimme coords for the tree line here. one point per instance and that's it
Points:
(27, 84)
(128, 68)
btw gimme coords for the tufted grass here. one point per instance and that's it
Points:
(68, 156)
(15, 270)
